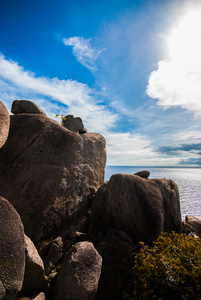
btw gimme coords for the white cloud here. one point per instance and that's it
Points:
(83, 51)
(16, 83)
(176, 82)
(72, 97)
(175, 87)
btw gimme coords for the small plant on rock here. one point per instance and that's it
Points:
(60, 118)
(171, 269)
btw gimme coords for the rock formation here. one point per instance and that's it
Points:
(47, 171)
(4, 124)
(86, 231)
(139, 207)
(79, 274)
(73, 124)
(12, 254)
(34, 276)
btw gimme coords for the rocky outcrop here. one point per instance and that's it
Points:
(54, 177)
(171, 204)
(139, 207)
(12, 251)
(54, 254)
(117, 251)
(26, 107)
(4, 124)
(192, 226)
(79, 274)
(34, 277)
(46, 173)
(73, 124)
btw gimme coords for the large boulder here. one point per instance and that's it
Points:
(117, 251)
(46, 171)
(34, 277)
(80, 272)
(12, 251)
(4, 124)
(26, 107)
(140, 207)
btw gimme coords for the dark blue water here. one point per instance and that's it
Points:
(187, 179)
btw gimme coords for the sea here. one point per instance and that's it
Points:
(188, 181)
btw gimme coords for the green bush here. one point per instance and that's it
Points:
(171, 269)
(60, 118)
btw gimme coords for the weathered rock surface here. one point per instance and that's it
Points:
(40, 296)
(143, 174)
(74, 124)
(54, 254)
(4, 124)
(26, 107)
(34, 277)
(79, 274)
(192, 225)
(116, 250)
(12, 251)
(139, 207)
(46, 171)
(171, 204)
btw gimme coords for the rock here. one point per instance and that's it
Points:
(73, 124)
(117, 251)
(84, 130)
(40, 296)
(171, 204)
(133, 205)
(34, 277)
(53, 256)
(26, 107)
(143, 174)
(12, 251)
(4, 124)
(80, 272)
(139, 207)
(46, 171)
(192, 225)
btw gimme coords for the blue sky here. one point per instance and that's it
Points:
(130, 69)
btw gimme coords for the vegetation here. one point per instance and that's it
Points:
(60, 118)
(171, 269)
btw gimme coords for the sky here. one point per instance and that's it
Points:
(130, 69)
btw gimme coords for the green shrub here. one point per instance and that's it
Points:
(60, 118)
(171, 269)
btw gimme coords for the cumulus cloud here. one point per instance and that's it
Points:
(176, 82)
(83, 50)
(173, 86)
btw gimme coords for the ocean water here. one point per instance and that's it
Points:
(187, 179)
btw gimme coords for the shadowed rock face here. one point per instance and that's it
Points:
(79, 274)
(141, 208)
(12, 251)
(46, 170)
(4, 124)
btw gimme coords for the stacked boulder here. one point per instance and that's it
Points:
(47, 171)
(80, 233)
